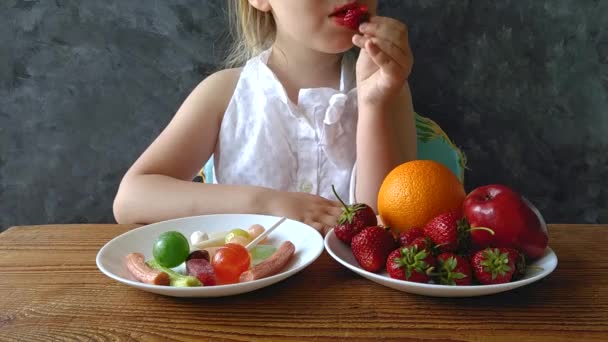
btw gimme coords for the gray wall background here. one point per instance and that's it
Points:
(86, 85)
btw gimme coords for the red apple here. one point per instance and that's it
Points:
(514, 222)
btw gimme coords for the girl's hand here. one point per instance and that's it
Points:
(313, 210)
(385, 61)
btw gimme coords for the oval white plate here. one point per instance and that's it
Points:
(343, 254)
(110, 258)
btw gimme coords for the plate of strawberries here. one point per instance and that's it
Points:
(482, 249)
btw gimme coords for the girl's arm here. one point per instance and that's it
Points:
(159, 184)
(386, 138)
(386, 131)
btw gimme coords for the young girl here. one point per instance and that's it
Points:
(300, 116)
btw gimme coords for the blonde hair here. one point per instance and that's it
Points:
(252, 31)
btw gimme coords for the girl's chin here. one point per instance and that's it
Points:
(339, 46)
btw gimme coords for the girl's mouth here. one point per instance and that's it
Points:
(350, 15)
(341, 11)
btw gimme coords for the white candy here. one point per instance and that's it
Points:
(198, 237)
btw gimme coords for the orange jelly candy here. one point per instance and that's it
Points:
(229, 262)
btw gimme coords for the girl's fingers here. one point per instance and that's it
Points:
(336, 204)
(326, 230)
(318, 226)
(359, 41)
(334, 211)
(321, 227)
(328, 220)
(382, 59)
(395, 53)
(388, 29)
(324, 222)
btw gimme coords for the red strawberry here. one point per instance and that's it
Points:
(453, 270)
(423, 242)
(450, 231)
(371, 247)
(355, 17)
(411, 264)
(493, 266)
(407, 237)
(353, 220)
(519, 260)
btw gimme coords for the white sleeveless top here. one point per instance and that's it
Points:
(266, 140)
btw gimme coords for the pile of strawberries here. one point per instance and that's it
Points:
(438, 253)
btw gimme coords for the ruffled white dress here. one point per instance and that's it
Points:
(266, 140)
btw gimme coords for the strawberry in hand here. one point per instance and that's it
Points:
(356, 16)
(453, 269)
(493, 266)
(371, 247)
(450, 232)
(411, 264)
(353, 220)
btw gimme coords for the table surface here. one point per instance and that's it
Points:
(51, 287)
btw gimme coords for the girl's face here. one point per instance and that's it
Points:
(315, 23)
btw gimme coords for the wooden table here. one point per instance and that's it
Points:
(51, 288)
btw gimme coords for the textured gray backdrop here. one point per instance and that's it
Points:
(85, 85)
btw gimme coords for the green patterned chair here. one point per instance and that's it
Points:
(433, 144)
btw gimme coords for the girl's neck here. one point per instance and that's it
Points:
(298, 67)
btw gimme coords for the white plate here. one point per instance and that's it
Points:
(110, 259)
(343, 254)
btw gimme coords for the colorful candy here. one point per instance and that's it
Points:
(229, 262)
(217, 258)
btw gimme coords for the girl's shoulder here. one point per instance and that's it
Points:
(226, 76)
(221, 81)
(217, 89)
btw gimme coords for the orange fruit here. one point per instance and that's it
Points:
(415, 192)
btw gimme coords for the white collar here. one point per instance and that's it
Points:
(347, 81)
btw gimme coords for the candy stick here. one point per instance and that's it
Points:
(264, 234)
(215, 242)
